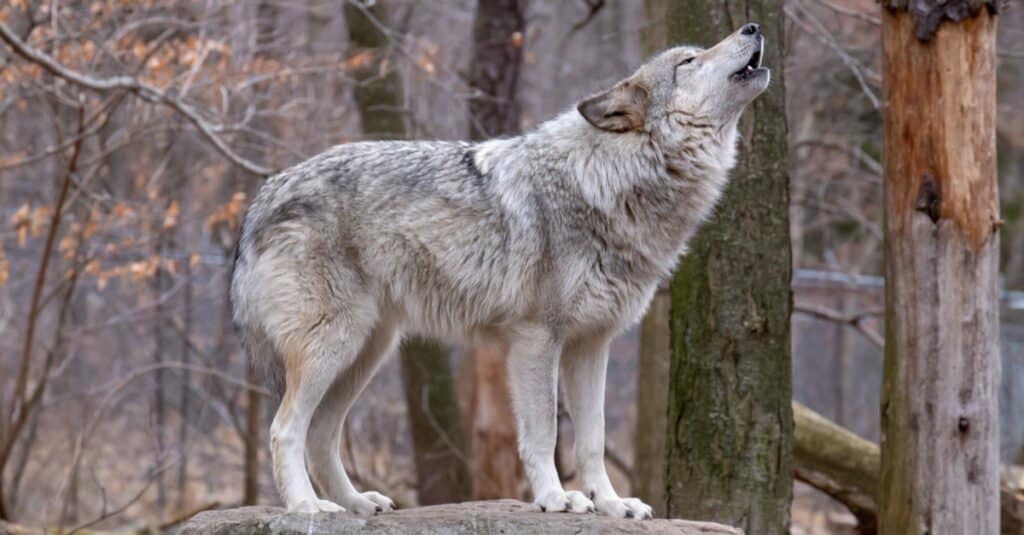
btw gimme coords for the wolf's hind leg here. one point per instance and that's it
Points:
(313, 359)
(533, 380)
(584, 367)
(324, 441)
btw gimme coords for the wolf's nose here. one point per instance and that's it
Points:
(750, 29)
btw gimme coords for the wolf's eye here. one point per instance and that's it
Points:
(687, 61)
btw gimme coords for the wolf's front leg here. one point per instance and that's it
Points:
(533, 380)
(584, 366)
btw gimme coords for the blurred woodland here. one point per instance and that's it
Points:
(134, 132)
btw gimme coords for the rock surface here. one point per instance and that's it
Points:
(491, 517)
(14, 529)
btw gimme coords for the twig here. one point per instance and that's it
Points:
(863, 17)
(872, 165)
(20, 406)
(847, 60)
(856, 320)
(121, 508)
(595, 7)
(108, 401)
(133, 85)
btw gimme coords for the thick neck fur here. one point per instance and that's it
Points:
(646, 192)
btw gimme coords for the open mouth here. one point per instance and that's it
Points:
(753, 66)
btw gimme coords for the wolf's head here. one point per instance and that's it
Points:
(685, 85)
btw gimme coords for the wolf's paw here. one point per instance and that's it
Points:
(559, 501)
(369, 503)
(386, 504)
(624, 508)
(316, 506)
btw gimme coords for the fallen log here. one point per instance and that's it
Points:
(837, 462)
(845, 466)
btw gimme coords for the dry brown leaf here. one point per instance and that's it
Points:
(20, 220)
(171, 215)
(5, 266)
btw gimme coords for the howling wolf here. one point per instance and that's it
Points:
(545, 245)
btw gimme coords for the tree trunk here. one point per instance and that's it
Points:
(497, 471)
(441, 469)
(161, 284)
(940, 428)
(253, 422)
(441, 465)
(728, 441)
(494, 111)
(184, 195)
(647, 481)
(498, 31)
(378, 89)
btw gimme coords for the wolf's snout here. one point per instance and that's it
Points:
(751, 29)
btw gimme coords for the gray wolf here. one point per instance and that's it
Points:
(545, 245)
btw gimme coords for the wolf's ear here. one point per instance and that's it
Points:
(620, 109)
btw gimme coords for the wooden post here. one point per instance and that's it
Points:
(940, 429)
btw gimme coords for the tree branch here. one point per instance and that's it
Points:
(860, 72)
(141, 89)
(854, 320)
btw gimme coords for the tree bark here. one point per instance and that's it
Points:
(647, 481)
(441, 466)
(729, 418)
(497, 471)
(494, 111)
(253, 422)
(939, 408)
(378, 91)
(498, 31)
(441, 469)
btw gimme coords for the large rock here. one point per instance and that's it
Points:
(14, 529)
(506, 517)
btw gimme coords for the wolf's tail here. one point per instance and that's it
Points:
(262, 356)
(264, 359)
